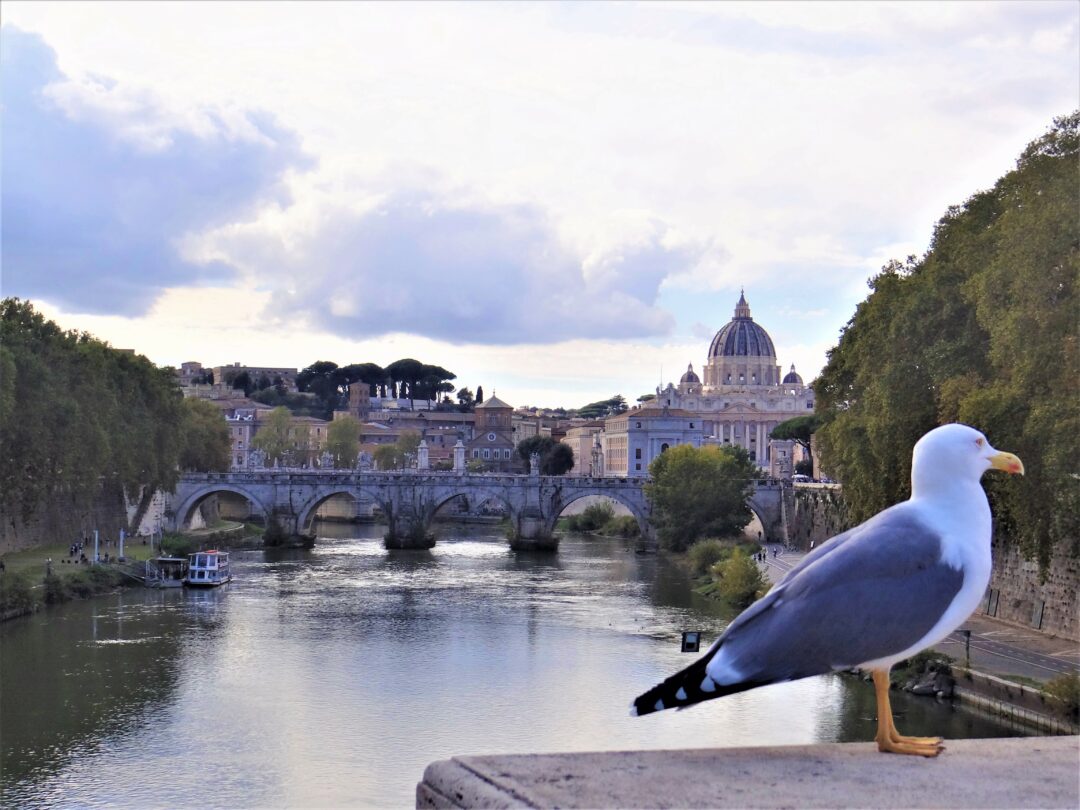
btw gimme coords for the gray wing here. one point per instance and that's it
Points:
(869, 593)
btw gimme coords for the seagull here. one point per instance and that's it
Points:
(869, 597)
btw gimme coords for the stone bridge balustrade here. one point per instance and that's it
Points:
(410, 498)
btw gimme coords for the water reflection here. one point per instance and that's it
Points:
(333, 675)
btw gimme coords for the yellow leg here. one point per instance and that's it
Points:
(888, 738)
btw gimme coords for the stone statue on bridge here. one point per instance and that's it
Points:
(257, 459)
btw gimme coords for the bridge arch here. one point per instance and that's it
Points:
(307, 512)
(189, 504)
(634, 506)
(476, 495)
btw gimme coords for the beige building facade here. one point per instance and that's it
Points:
(743, 395)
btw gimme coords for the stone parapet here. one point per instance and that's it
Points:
(1035, 772)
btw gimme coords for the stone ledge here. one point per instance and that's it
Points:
(1035, 772)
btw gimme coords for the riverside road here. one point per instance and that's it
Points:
(997, 647)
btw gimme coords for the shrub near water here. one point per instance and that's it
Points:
(595, 517)
(740, 578)
(704, 554)
(1065, 689)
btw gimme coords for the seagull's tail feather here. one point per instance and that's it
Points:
(687, 687)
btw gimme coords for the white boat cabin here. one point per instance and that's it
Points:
(208, 568)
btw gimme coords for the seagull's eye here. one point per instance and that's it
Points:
(980, 441)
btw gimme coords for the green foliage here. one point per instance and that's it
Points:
(298, 404)
(622, 526)
(178, 545)
(400, 454)
(595, 516)
(704, 554)
(77, 413)
(1065, 690)
(206, 437)
(797, 430)
(475, 465)
(274, 436)
(981, 330)
(804, 467)
(556, 458)
(604, 407)
(15, 594)
(343, 441)
(700, 491)
(740, 579)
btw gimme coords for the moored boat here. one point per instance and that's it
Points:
(165, 572)
(208, 568)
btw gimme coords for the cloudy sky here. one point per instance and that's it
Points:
(555, 201)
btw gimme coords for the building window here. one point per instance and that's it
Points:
(506, 453)
(691, 425)
(663, 447)
(809, 405)
(637, 452)
(476, 454)
(486, 453)
(637, 424)
(637, 466)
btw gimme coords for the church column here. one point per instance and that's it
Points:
(761, 442)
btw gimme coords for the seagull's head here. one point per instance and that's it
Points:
(955, 451)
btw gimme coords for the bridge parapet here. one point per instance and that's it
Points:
(410, 498)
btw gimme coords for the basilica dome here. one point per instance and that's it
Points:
(690, 376)
(741, 337)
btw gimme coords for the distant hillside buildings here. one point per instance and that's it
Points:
(741, 399)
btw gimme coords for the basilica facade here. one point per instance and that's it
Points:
(738, 399)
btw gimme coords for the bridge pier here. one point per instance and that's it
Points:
(532, 534)
(408, 531)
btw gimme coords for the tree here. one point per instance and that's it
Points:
(405, 376)
(206, 446)
(798, 430)
(77, 415)
(556, 458)
(604, 407)
(242, 382)
(740, 579)
(343, 441)
(400, 454)
(273, 437)
(696, 492)
(466, 400)
(322, 380)
(982, 330)
(479, 394)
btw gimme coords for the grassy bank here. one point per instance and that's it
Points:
(48, 575)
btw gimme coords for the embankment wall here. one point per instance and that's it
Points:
(1018, 592)
(65, 517)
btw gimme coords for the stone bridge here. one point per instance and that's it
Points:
(410, 499)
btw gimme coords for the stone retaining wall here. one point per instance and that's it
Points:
(64, 518)
(1019, 594)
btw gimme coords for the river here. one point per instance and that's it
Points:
(332, 676)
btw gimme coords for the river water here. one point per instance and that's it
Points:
(333, 676)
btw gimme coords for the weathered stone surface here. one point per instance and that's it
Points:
(1037, 772)
(1052, 606)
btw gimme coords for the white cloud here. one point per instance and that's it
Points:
(609, 153)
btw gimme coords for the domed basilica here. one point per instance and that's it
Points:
(738, 399)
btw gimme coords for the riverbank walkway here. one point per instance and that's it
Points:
(999, 648)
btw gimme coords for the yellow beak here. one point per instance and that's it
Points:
(1007, 462)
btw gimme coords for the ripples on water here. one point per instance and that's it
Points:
(333, 676)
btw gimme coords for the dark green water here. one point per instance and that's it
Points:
(333, 676)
